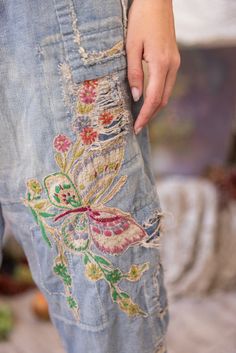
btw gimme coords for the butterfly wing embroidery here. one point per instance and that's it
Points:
(75, 233)
(96, 171)
(80, 218)
(113, 231)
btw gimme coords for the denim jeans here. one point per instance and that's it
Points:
(77, 188)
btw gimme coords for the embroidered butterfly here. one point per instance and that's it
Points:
(76, 217)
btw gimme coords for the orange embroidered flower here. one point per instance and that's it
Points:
(88, 135)
(91, 83)
(106, 118)
(62, 143)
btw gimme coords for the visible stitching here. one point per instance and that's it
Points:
(125, 16)
(95, 56)
(74, 214)
(81, 324)
(90, 58)
(161, 346)
(32, 232)
(87, 106)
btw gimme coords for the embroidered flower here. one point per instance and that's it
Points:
(83, 108)
(91, 83)
(88, 94)
(93, 272)
(74, 214)
(62, 143)
(88, 135)
(34, 186)
(136, 271)
(128, 306)
(106, 118)
(80, 123)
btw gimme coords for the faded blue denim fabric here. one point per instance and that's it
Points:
(77, 187)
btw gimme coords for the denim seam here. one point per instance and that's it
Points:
(91, 57)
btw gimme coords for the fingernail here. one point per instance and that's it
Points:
(135, 93)
(137, 131)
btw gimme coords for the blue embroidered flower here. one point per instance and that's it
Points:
(80, 123)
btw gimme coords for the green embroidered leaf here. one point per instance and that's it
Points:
(114, 276)
(57, 189)
(61, 191)
(114, 295)
(61, 270)
(46, 215)
(71, 301)
(67, 280)
(124, 295)
(34, 215)
(86, 259)
(102, 260)
(44, 234)
(57, 198)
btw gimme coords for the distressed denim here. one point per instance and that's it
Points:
(77, 188)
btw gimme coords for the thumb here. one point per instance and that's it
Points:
(135, 71)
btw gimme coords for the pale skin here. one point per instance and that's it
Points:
(151, 37)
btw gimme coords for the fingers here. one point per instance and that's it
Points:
(135, 73)
(153, 94)
(162, 76)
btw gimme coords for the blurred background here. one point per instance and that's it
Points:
(193, 144)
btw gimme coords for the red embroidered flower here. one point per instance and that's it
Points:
(62, 143)
(106, 118)
(88, 94)
(91, 83)
(88, 135)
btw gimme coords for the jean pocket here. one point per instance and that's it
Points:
(94, 34)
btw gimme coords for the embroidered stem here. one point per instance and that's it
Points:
(75, 210)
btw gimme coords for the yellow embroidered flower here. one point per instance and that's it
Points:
(93, 272)
(129, 307)
(34, 186)
(136, 271)
(83, 108)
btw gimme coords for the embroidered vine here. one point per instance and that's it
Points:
(69, 205)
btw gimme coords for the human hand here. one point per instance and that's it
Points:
(151, 37)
